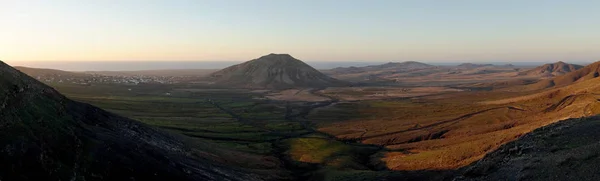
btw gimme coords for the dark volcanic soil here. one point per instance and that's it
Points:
(567, 150)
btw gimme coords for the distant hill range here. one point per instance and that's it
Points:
(46, 136)
(553, 69)
(585, 73)
(408, 65)
(413, 73)
(541, 77)
(472, 65)
(391, 66)
(277, 71)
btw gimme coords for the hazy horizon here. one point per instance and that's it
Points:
(174, 65)
(445, 31)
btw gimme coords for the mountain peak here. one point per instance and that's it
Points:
(282, 55)
(273, 71)
(276, 58)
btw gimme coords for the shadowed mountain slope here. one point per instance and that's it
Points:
(45, 136)
(277, 71)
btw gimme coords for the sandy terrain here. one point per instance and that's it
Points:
(373, 93)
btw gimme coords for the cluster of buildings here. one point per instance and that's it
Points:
(107, 79)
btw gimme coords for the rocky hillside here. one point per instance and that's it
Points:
(553, 69)
(278, 71)
(585, 73)
(45, 136)
(566, 150)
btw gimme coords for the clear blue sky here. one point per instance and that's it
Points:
(325, 30)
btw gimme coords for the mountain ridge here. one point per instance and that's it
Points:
(407, 65)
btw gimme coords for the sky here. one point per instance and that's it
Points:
(313, 30)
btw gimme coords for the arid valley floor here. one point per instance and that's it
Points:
(396, 121)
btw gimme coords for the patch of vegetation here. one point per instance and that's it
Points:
(315, 150)
(327, 153)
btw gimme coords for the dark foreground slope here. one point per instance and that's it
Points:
(45, 136)
(566, 150)
(279, 71)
